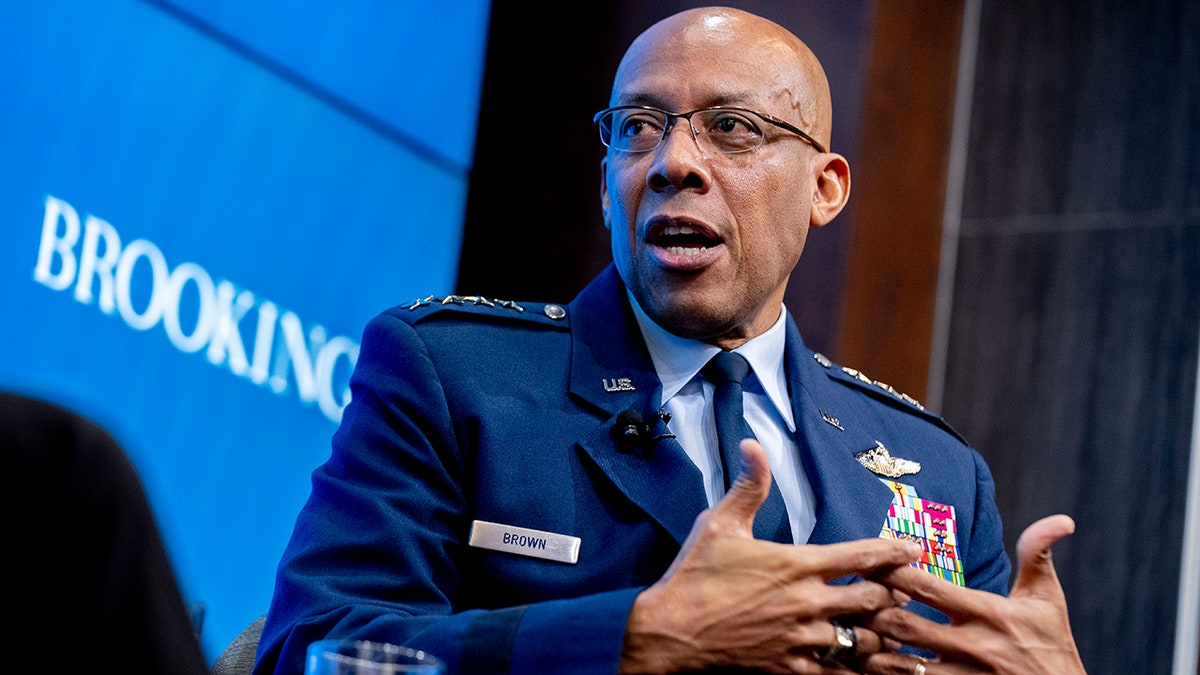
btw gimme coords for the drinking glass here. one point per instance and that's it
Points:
(363, 657)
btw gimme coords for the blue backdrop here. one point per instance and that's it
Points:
(202, 203)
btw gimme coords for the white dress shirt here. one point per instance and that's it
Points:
(688, 397)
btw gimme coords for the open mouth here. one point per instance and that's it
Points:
(682, 238)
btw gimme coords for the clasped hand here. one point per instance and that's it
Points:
(729, 599)
(1027, 632)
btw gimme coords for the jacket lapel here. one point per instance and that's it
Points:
(852, 503)
(612, 372)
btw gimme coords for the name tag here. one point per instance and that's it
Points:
(524, 541)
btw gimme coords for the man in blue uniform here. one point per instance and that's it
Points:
(520, 487)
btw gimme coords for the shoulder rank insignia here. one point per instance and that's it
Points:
(462, 300)
(880, 462)
(556, 312)
(826, 363)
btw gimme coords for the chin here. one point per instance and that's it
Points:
(696, 321)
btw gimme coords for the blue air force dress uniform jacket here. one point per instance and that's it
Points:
(467, 410)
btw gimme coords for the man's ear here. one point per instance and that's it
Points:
(832, 189)
(604, 192)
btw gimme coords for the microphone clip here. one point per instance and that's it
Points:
(633, 432)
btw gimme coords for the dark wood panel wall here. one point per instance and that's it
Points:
(1071, 360)
(1075, 311)
(888, 303)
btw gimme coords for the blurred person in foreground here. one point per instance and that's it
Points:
(523, 487)
(90, 581)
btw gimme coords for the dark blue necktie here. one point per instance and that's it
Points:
(726, 371)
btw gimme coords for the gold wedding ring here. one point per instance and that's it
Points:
(920, 669)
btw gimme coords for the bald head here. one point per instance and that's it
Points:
(781, 64)
(706, 235)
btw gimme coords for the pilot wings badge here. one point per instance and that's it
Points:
(880, 462)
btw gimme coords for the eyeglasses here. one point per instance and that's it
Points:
(639, 128)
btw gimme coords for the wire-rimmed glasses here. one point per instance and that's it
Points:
(639, 128)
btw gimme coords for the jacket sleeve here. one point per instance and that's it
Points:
(379, 549)
(988, 567)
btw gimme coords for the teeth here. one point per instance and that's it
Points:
(680, 250)
(679, 229)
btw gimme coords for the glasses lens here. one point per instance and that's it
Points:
(632, 129)
(729, 131)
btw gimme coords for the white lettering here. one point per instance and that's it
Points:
(100, 267)
(137, 282)
(327, 359)
(226, 342)
(264, 340)
(52, 243)
(204, 315)
(159, 278)
(296, 352)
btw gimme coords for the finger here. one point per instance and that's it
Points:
(748, 492)
(900, 664)
(890, 644)
(864, 557)
(846, 602)
(914, 630)
(1035, 567)
(868, 641)
(956, 601)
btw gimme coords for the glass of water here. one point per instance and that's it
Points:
(363, 657)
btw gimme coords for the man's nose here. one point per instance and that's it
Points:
(679, 160)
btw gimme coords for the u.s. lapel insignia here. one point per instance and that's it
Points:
(880, 462)
(613, 385)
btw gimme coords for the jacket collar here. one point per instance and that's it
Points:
(611, 372)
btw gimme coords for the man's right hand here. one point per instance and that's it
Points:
(731, 600)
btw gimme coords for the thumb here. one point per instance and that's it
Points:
(1035, 568)
(749, 490)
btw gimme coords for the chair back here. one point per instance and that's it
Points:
(238, 657)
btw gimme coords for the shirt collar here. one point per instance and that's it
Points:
(677, 359)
